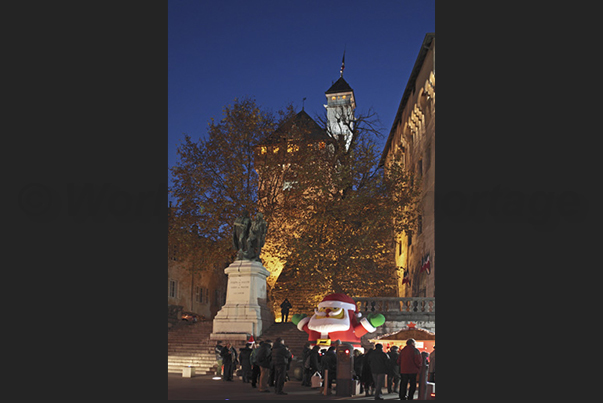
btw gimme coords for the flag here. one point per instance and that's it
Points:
(426, 264)
(342, 64)
(406, 278)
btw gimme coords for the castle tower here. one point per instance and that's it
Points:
(340, 109)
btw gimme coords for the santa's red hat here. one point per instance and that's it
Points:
(339, 300)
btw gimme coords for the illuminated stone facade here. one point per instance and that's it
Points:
(412, 136)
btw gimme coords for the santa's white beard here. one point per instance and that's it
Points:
(328, 325)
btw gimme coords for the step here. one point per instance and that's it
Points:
(179, 358)
(195, 363)
(192, 364)
(198, 370)
(190, 358)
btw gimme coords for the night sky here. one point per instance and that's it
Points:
(280, 51)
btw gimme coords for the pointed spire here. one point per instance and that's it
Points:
(342, 63)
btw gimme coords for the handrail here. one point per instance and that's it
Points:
(394, 305)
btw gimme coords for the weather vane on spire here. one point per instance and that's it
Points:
(342, 64)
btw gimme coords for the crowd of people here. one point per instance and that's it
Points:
(401, 367)
(266, 364)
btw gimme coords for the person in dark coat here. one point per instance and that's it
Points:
(431, 372)
(329, 362)
(306, 365)
(245, 360)
(358, 368)
(379, 363)
(285, 306)
(314, 363)
(393, 377)
(281, 356)
(229, 357)
(255, 368)
(263, 359)
(410, 362)
(366, 378)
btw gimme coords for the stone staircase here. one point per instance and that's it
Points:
(190, 345)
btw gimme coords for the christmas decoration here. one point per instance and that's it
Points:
(337, 318)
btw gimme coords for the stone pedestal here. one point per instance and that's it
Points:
(188, 372)
(246, 311)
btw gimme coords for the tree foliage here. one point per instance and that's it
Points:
(331, 209)
(214, 179)
(346, 213)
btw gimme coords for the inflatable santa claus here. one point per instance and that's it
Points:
(337, 318)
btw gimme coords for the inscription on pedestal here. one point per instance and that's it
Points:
(239, 287)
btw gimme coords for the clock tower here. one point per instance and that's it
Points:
(340, 109)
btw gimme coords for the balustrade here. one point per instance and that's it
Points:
(396, 307)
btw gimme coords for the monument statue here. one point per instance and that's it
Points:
(245, 311)
(240, 233)
(249, 236)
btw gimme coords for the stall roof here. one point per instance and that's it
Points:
(405, 334)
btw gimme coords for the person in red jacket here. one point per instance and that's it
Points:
(410, 365)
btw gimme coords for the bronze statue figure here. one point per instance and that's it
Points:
(249, 236)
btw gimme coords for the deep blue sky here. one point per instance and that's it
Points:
(280, 51)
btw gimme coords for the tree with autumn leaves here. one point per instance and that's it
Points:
(331, 210)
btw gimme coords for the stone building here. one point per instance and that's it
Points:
(191, 287)
(412, 137)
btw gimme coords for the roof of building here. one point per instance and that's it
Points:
(339, 86)
(406, 333)
(301, 126)
(408, 91)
